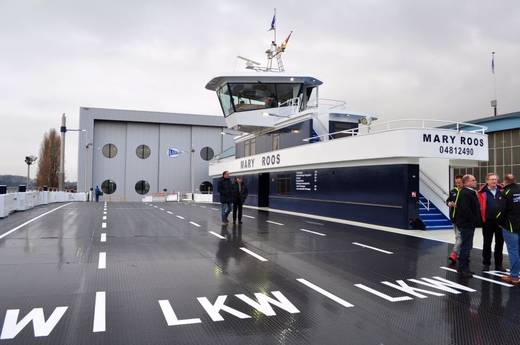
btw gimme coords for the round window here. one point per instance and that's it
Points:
(143, 151)
(142, 187)
(108, 186)
(207, 153)
(206, 187)
(109, 150)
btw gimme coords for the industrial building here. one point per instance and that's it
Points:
(130, 154)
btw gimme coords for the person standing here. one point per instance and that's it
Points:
(98, 193)
(225, 189)
(452, 204)
(509, 220)
(489, 197)
(467, 218)
(239, 197)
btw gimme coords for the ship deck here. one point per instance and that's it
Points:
(169, 273)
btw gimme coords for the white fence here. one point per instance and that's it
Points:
(161, 197)
(22, 201)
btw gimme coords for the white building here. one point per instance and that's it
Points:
(129, 154)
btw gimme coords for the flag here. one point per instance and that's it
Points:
(493, 62)
(273, 22)
(284, 44)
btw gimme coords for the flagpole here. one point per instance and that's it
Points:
(275, 26)
(494, 102)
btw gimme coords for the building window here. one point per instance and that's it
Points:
(283, 184)
(206, 187)
(143, 151)
(108, 187)
(142, 187)
(109, 150)
(206, 153)
(276, 142)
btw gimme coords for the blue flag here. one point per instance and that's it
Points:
(273, 23)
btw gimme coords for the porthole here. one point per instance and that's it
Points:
(109, 150)
(143, 151)
(142, 187)
(206, 187)
(108, 187)
(206, 153)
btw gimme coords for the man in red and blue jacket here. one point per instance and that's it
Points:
(490, 196)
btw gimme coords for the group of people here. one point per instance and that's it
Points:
(495, 208)
(233, 194)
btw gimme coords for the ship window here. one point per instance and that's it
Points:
(108, 187)
(225, 100)
(143, 151)
(276, 142)
(247, 148)
(109, 150)
(253, 96)
(142, 187)
(206, 187)
(206, 153)
(253, 147)
(283, 184)
(287, 94)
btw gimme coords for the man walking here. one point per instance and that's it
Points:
(225, 190)
(452, 200)
(239, 197)
(489, 197)
(467, 218)
(509, 220)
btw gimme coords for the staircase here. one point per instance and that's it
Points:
(432, 218)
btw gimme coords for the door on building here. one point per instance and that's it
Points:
(263, 190)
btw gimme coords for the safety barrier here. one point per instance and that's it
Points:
(21, 201)
(162, 197)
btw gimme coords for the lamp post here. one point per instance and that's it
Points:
(29, 160)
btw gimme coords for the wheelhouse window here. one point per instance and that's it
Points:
(225, 100)
(288, 94)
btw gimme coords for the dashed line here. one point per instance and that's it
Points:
(180, 217)
(169, 212)
(103, 237)
(104, 217)
(103, 225)
(203, 206)
(102, 263)
(215, 209)
(245, 215)
(313, 232)
(193, 223)
(99, 312)
(315, 223)
(253, 254)
(104, 212)
(481, 278)
(325, 293)
(160, 208)
(373, 248)
(217, 235)
(276, 223)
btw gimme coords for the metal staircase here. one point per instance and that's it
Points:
(431, 216)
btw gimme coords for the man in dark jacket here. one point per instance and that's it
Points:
(452, 200)
(467, 219)
(509, 220)
(239, 196)
(225, 189)
(490, 196)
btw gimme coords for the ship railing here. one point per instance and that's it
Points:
(331, 104)
(371, 128)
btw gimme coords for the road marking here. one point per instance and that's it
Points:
(245, 215)
(193, 223)
(315, 223)
(325, 293)
(481, 278)
(171, 318)
(313, 232)
(217, 235)
(373, 248)
(99, 312)
(102, 263)
(104, 217)
(276, 223)
(215, 209)
(32, 220)
(104, 212)
(160, 208)
(103, 237)
(180, 217)
(253, 254)
(169, 212)
(103, 225)
(203, 206)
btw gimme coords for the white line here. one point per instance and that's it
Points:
(180, 217)
(270, 221)
(102, 263)
(104, 212)
(245, 215)
(479, 277)
(103, 225)
(313, 232)
(103, 237)
(32, 220)
(193, 223)
(162, 209)
(104, 217)
(373, 248)
(169, 212)
(216, 209)
(203, 207)
(217, 235)
(99, 312)
(253, 254)
(326, 293)
(315, 223)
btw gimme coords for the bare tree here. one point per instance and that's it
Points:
(49, 161)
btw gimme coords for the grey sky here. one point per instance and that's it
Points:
(399, 58)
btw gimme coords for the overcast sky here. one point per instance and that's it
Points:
(399, 58)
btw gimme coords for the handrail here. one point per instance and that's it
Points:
(443, 194)
(336, 103)
(426, 206)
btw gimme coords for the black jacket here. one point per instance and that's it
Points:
(509, 217)
(225, 189)
(239, 194)
(453, 197)
(468, 209)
